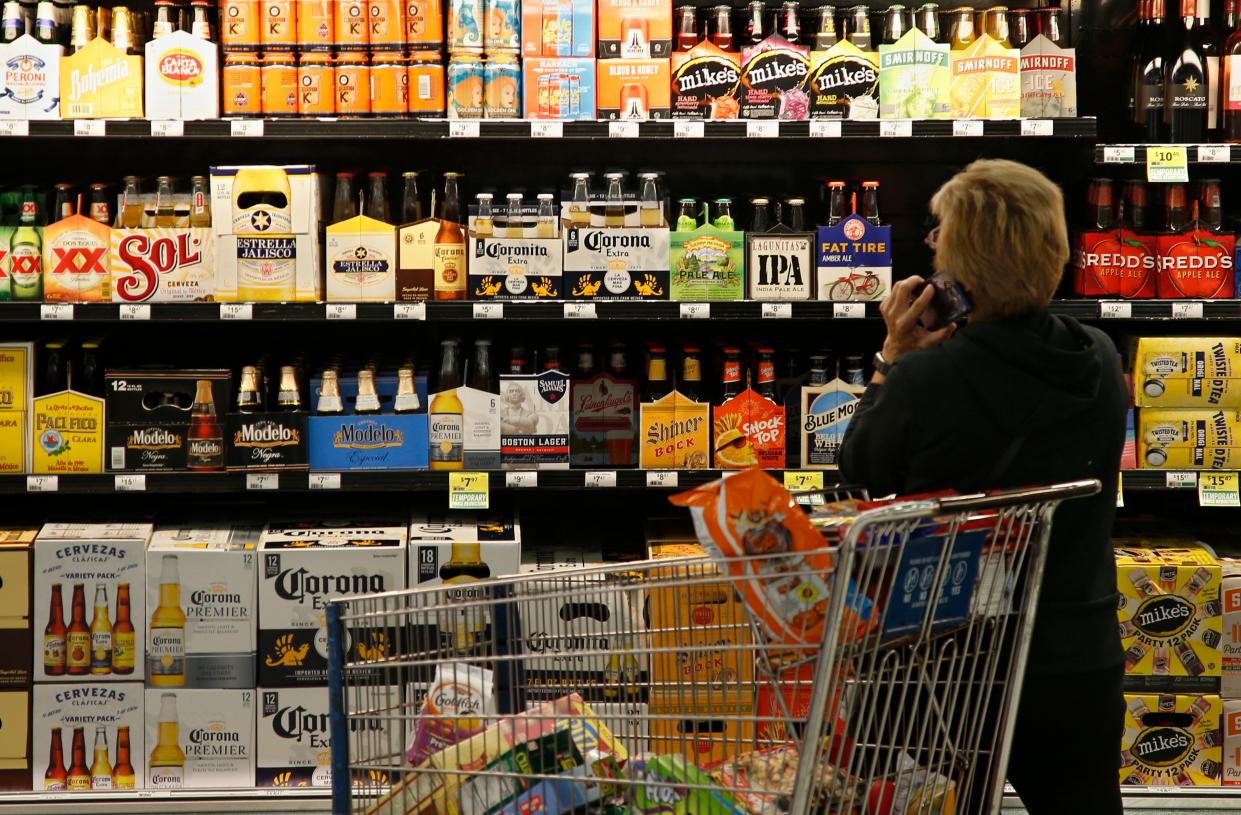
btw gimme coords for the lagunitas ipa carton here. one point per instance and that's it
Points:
(1196, 263)
(748, 429)
(515, 255)
(97, 730)
(200, 738)
(986, 81)
(1172, 740)
(99, 564)
(148, 428)
(1183, 439)
(707, 264)
(29, 79)
(182, 77)
(1170, 617)
(15, 769)
(302, 566)
(67, 431)
(843, 83)
(16, 389)
(854, 260)
(780, 264)
(825, 412)
(202, 585)
(558, 88)
(632, 89)
(674, 434)
(1048, 79)
(705, 83)
(557, 28)
(361, 261)
(772, 80)
(913, 78)
(635, 29)
(1189, 372)
(75, 261)
(603, 417)
(534, 421)
(101, 82)
(16, 614)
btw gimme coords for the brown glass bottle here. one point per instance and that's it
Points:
(205, 437)
(690, 385)
(730, 374)
(123, 635)
(657, 386)
(54, 777)
(54, 636)
(78, 777)
(77, 638)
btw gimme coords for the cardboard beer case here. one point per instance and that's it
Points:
(101, 82)
(1172, 740)
(146, 430)
(674, 434)
(843, 83)
(1230, 645)
(1198, 263)
(182, 77)
(514, 262)
(383, 441)
(534, 421)
(825, 413)
(986, 81)
(603, 421)
(707, 264)
(561, 88)
(1232, 742)
(361, 261)
(780, 265)
(30, 79)
(914, 78)
(415, 258)
(705, 83)
(854, 260)
(632, 89)
(1187, 372)
(215, 733)
(16, 612)
(16, 390)
(557, 28)
(1115, 263)
(15, 746)
(748, 429)
(1184, 439)
(1048, 79)
(76, 261)
(91, 707)
(164, 264)
(635, 29)
(773, 74)
(67, 430)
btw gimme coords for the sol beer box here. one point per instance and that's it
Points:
(16, 631)
(29, 79)
(1189, 439)
(15, 745)
(75, 261)
(603, 418)
(16, 389)
(635, 29)
(1170, 617)
(557, 28)
(148, 428)
(559, 88)
(182, 77)
(707, 264)
(1172, 740)
(843, 83)
(1187, 372)
(361, 261)
(383, 441)
(704, 83)
(201, 581)
(101, 82)
(534, 421)
(632, 89)
(519, 260)
(773, 74)
(68, 433)
(748, 429)
(103, 721)
(302, 566)
(200, 738)
(854, 260)
(986, 81)
(102, 565)
(163, 264)
(825, 412)
(1197, 263)
(1048, 79)
(1115, 263)
(780, 264)
(913, 78)
(674, 434)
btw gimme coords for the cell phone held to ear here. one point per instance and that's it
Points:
(949, 304)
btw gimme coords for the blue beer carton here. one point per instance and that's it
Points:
(383, 441)
(913, 586)
(854, 260)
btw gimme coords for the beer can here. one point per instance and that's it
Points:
(503, 33)
(279, 31)
(502, 78)
(279, 84)
(465, 87)
(389, 85)
(465, 25)
(240, 23)
(426, 84)
(316, 85)
(351, 28)
(424, 24)
(241, 85)
(315, 31)
(353, 85)
(387, 25)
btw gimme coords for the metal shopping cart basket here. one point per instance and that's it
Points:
(652, 687)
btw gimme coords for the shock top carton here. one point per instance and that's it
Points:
(150, 416)
(1187, 372)
(1171, 740)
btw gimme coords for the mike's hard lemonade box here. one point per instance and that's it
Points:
(1172, 740)
(705, 83)
(772, 77)
(843, 83)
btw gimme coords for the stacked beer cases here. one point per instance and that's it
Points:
(16, 652)
(1230, 597)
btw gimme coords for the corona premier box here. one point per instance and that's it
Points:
(633, 89)
(182, 77)
(707, 264)
(16, 638)
(825, 413)
(99, 718)
(704, 83)
(480, 428)
(68, 433)
(200, 738)
(559, 88)
(76, 267)
(101, 82)
(854, 259)
(986, 81)
(382, 441)
(1170, 617)
(748, 429)
(15, 774)
(843, 83)
(90, 602)
(147, 424)
(361, 261)
(674, 434)
(1232, 742)
(16, 389)
(302, 566)
(635, 29)
(1190, 372)
(913, 78)
(557, 28)
(534, 421)
(780, 265)
(1172, 740)
(1048, 79)
(29, 79)
(201, 581)
(603, 420)
(772, 77)
(520, 259)
(1184, 439)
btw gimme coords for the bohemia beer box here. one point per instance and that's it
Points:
(90, 602)
(603, 420)
(635, 29)
(707, 264)
(76, 266)
(704, 83)
(1187, 372)
(629, 262)
(381, 441)
(986, 81)
(1048, 79)
(780, 264)
(16, 388)
(92, 725)
(29, 79)
(67, 430)
(854, 260)
(200, 738)
(361, 261)
(913, 78)
(843, 83)
(201, 581)
(632, 89)
(302, 566)
(515, 262)
(772, 77)
(674, 434)
(534, 421)
(101, 82)
(16, 637)
(148, 427)
(182, 77)
(1189, 439)
(1172, 740)
(15, 747)
(162, 264)
(749, 429)
(825, 413)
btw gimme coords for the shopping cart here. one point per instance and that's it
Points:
(651, 687)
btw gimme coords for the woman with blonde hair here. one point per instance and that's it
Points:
(1015, 396)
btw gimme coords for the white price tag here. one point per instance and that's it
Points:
(521, 478)
(488, 311)
(324, 481)
(246, 128)
(342, 311)
(601, 478)
(236, 311)
(1113, 310)
(135, 311)
(762, 129)
(262, 481)
(541, 129)
(130, 482)
(1181, 480)
(168, 128)
(896, 128)
(1214, 153)
(56, 311)
(1037, 127)
(967, 127)
(687, 129)
(695, 311)
(622, 130)
(1186, 311)
(825, 128)
(42, 483)
(14, 127)
(409, 311)
(462, 129)
(661, 478)
(777, 311)
(89, 127)
(579, 311)
(1118, 155)
(849, 311)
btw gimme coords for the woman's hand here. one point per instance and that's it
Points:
(901, 312)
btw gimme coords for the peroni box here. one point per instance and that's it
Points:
(1172, 740)
(1115, 263)
(632, 89)
(913, 78)
(29, 79)
(149, 428)
(67, 430)
(825, 414)
(635, 29)
(780, 265)
(603, 421)
(772, 80)
(843, 83)
(707, 264)
(704, 83)
(534, 421)
(1197, 263)
(854, 260)
(1048, 79)
(1183, 439)
(75, 261)
(986, 81)
(674, 434)
(749, 429)
(93, 718)
(1187, 372)
(516, 259)
(16, 613)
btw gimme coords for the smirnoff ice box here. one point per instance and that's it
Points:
(200, 738)
(29, 79)
(108, 716)
(1048, 79)
(913, 78)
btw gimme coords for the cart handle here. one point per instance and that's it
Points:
(1031, 495)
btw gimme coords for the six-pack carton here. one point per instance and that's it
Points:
(67, 430)
(825, 413)
(843, 83)
(534, 421)
(854, 260)
(75, 261)
(1048, 79)
(1172, 740)
(674, 433)
(1230, 646)
(914, 78)
(1187, 372)
(780, 264)
(705, 83)
(517, 258)
(707, 264)
(101, 82)
(557, 28)
(29, 79)
(382, 441)
(16, 390)
(985, 81)
(772, 85)
(748, 429)
(361, 260)
(200, 738)
(170, 263)
(15, 747)
(150, 418)
(182, 77)
(103, 718)
(559, 88)
(603, 417)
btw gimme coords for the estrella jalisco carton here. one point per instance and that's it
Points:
(101, 82)
(854, 260)
(1187, 372)
(1172, 740)
(674, 434)
(707, 264)
(361, 260)
(913, 78)
(29, 79)
(1186, 439)
(76, 261)
(843, 83)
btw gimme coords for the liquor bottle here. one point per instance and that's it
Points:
(78, 777)
(100, 768)
(406, 400)
(445, 421)
(835, 202)
(206, 438)
(77, 638)
(481, 377)
(165, 208)
(545, 219)
(1208, 38)
(367, 402)
(722, 28)
(377, 197)
(344, 206)
(100, 209)
(579, 204)
(167, 765)
(411, 205)
(166, 654)
(870, 201)
(895, 24)
(825, 36)
(650, 211)
(1139, 44)
(1149, 77)
(54, 777)
(756, 28)
(26, 252)
(687, 28)
(690, 385)
(464, 566)
(730, 374)
(790, 25)
(1185, 80)
(131, 204)
(200, 203)
(249, 400)
(54, 646)
(289, 396)
(448, 258)
(101, 634)
(657, 386)
(614, 203)
(123, 635)
(484, 221)
(766, 373)
(859, 27)
(123, 776)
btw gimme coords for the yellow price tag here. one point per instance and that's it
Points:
(1167, 163)
(1218, 490)
(802, 480)
(468, 491)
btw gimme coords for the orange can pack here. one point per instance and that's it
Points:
(315, 28)
(316, 85)
(353, 86)
(389, 85)
(426, 85)
(352, 31)
(279, 83)
(424, 24)
(387, 25)
(241, 85)
(279, 32)
(239, 24)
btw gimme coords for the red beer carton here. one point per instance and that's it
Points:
(1197, 264)
(1115, 263)
(749, 430)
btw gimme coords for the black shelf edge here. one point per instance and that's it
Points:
(1122, 155)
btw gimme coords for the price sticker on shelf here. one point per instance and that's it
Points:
(236, 311)
(1180, 480)
(661, 478)
(1218, 490)
(462, 129)
(323, 481)
(135, 311)
(825, 128)
(762, 129)
(1167, 163)
(168, 128)
(687, 129)
(409, 311)
(541, 129)
(468, 490)
(1186, 310)
(130, 482)
(896, 128)
(803, 480)
(777, 311)
(488, 311)
(262, 481)
(579, 311)
(246, 128)
(695, 311)
(622, 130)
(342, 311)
(1214, 153)
(521, 479)
(600, 478)
(1037, 127)
(89, 127)
(15, 127)
(967, 127)
(56, 311)
(1118, 155)
(42, 483)
(848, 311)
(1114, 310)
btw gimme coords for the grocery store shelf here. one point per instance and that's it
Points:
(1089, 309)
(185, 802)
(1146, 480)
(1116, 154)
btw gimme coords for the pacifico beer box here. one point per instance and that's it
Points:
(1184, 439)
(182, 77)
(16, 614)
(534, 421)
(361, 261)
(635, 29)
(101, 82)
(1048, 79)
(913, 78)
(90, 720)
(148, 428)
(1187, 372)
(163, 264)
(29, 79)
(90, 602)
(515, 258)
(854, 260)
(67, 430)
(704, 83)
(674, 434)
(707, 264)
(773, 74)
(986, 81)
(825, 413)
(632, 89)
(1172, 740)
(200, 739)
(75, 261)
(16, 389)
(748, 429)
(1196, 263)
(843, 83)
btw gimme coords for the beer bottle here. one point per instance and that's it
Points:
(513, 222)
(650, 209)
(377, 197)
(64, 206)
(618, 360)
(123, 636)
(854, 369)
(1209, 205)
(1049, 25)
(895, 24)
(687, 215)
(870, 201)
(124, 34)
(167, 759)
(1099, 198)
(206, 439)
(545, 223)
(26, 252)
(962, 32)
(77, 638)
(825, 36)
(165, 205)
(766, 374)
(329, 403)
(54, 636)
(657, 386)
(200, 19)
(45, 23)
(579, 204)
(730, 374)
(166, 655)
(758, 215)
(79, 776)
(690, 385)
(465, 565)
(926, 18)
(859, 27)
(519, 360)
(996, 25)
(819, 374)
(1210, 42)
(1175, 211)
(1021, 27)
(790, 26)
(481, 378)
(724, 215)
(585, 366)
(13, 22)
(446, 420)
(249, 400)
(164, 22)
(835, 202)
(101, 634)
(687, 28)
(100, 208)
(82, 29)
(367, 403)
(551, 358)
(722, 28)
(344, 206)
(55, 374)
(200, 202)
(100, 768)
(1135, 205)
(614, 203)
(484, 221)
(796, 208)
(448, 259)
(54, 776)
(756, 28)
(123, 777)
(406, 400)
(289, 396)
(131, 204)
(411, 206)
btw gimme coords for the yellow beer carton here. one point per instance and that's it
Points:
(361, 260)
(986, 81)
(67, 433)
(182, 77)
(1187, 372)
(415, 275)
(675, 434)
(16, 387)
(1171, 740)
(1169, 615)
(702, 733)
(913, 78)
(101, 82)
(1189, 439)
(76, 262)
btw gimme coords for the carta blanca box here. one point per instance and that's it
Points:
(29, 79)
(1230, 646)
(182, 77)
(635, 29)
(986, 81)
(617, 263)
(302, 566)
(1048, 79)
(704, 83)
(361, 261)
(633, 89)
(1189, 439)
(75, 261)
(267, 441)
(843, 83)
(780, 265)
(534, 421)
(1172, 740)
(15, 774)
(16, 631)
(707, 264)
(674, 434)
(90, 602)
(150, 415)
(67, 430)
(603, 421)
(383, 441)
(515, 258)
(101, 82)
(773, 74)
(913, 78)
(1187, 372)
(104, 717)
(16, 390)
(558, 88)
(747, 430)
(200, 738)
(854, 260)
(825, 413)
(201, 581)
(557, 28)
